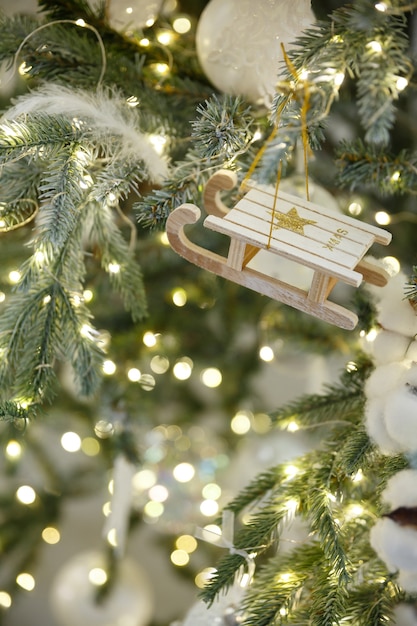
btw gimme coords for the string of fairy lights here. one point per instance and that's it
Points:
(150, 494)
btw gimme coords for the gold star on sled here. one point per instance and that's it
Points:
(291, 221)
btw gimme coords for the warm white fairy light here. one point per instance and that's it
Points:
(188, 543)
(150, 22)
(392, 265)
(86, 182)
(46, 299)
(181, 25)
(283, 611)
(145, 479)
(113, 268)
(71, 442)
(159, 364)
(182, 369)
(358, 476)
(153, 509)
(209, 508)
(179, 297)
(211, 491)
(2, 296)
(5, 600)
(13, 450)
(266, 354)
(134, 374)
(203, 577)
(144, 42)
(395, 177)
(24, 69)
(158, 493)
(183, 472)
(87, 331)
(165, 37)
(355, 208)
(291, 470)
(104, 429)
(26, 494)
(211, 533)
(14, 277)
(112, 537)
(375, 46)
(26, 581)
(97, 576)
(371, 335)
(351, 366)
(109, 367)
(147, 382)
(90, 446)
(51, 535)
(291, 505)
(240, 423)
(211, 377)
(293, 426)
(180, 558)
(401, 83)
(161, 68)
(163, 238)
(382, 218)
(381, 6)
(159, 141)
(87, 295)
(285, 577)
(150, 339)
(81, 22)
(106, 509)
(353, 511)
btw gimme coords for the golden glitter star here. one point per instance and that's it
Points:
(291, 221)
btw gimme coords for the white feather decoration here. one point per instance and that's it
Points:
(105, 111)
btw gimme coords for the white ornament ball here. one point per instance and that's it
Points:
(408, 581)
(404, 614)
(132, 14)
(376, 427)
(396, 545)
(394, 311)
(389, 347)
(401, 489)
(239, 43)
(384, 379)
(401, 418)
(129, 601)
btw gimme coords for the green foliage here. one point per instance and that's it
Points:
(330, 573)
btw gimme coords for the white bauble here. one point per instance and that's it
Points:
(132, 14)
(389, 347)
(400, 417)
(239, 42)
(384, 379)
(401, 490)
(404, 614)
(396, 545)
(376, 427)
(408, 581)
(129, 601)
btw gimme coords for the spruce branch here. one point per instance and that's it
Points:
(223, 127)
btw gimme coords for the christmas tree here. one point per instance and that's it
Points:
(185, 387)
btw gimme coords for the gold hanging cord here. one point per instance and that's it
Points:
(304, 138)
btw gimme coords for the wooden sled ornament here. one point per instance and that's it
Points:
(332, 245)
